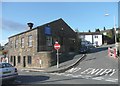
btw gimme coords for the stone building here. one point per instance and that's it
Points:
(35, 47)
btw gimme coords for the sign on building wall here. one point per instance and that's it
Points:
(47, 30)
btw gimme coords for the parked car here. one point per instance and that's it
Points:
(84, 49)
(8, 73)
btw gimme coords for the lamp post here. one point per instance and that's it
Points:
(114, 27)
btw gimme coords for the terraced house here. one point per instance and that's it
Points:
(35, 47)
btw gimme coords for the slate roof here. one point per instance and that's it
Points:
(89, 33)
(39, 27)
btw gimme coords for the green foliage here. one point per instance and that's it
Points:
(104, 28)
(118, 37)
(110, 35)
(97, 30)
(89, 30)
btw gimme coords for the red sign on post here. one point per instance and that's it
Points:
(57, 46)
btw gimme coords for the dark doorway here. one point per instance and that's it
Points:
(24, 61)
(14, 61)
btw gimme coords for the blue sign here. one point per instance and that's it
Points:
(47, 30)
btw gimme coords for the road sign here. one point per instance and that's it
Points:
(57, 46)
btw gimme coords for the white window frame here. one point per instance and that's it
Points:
(11, 44)
(96, 36)
(30, 40)
(29, 59)
(16, 43)
(22, 42)
(49, 40)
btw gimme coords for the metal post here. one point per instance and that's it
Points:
(115, 28)
(57, 59)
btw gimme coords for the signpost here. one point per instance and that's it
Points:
(57, 47)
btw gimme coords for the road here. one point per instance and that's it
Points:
(96, 68)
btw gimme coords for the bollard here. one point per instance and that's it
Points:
(109, 52)
(118, 53)
(115, 55)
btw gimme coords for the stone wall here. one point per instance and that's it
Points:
(22, 51)
(43, 59)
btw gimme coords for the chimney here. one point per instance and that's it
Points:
(30, 25)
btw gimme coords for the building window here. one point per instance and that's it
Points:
(48, 40)
(22, 42)
(18, 59)
(29, 60)
(30, 40)
(16, 43)
(11, 59)
(11, 44)
(96, 36)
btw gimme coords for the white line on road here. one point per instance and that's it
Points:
(86, 77)
(112, 80)
(98, 78)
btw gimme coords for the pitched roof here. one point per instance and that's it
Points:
(36, 27)
(89, 33)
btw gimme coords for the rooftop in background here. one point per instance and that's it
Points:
(38, 26)
(90, 33)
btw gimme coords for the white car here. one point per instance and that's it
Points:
(7, 72)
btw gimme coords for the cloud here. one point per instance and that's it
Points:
(12, 25)
(2, 42)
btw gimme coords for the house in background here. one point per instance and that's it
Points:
(1, 53)
(35, 47)
(118, 35)
(108, 36)
(90, 38)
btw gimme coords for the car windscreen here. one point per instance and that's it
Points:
(6, 65)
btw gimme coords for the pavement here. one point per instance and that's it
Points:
(62, 66)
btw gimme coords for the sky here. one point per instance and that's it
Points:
(83, 16)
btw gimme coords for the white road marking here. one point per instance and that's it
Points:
(77, 70)
(99, 71)
(112, 80)
(93, 71)
(113, 72)
(85, 77)
(98, 78)
(68, 75)
(106, 71)
(90, 71)
(87, 70)
(73, 70)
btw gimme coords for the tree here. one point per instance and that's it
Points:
(89, 31)
(76, 30)
(118, 37)
(97, 30)
(104, 28)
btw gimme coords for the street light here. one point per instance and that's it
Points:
(114, 26)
